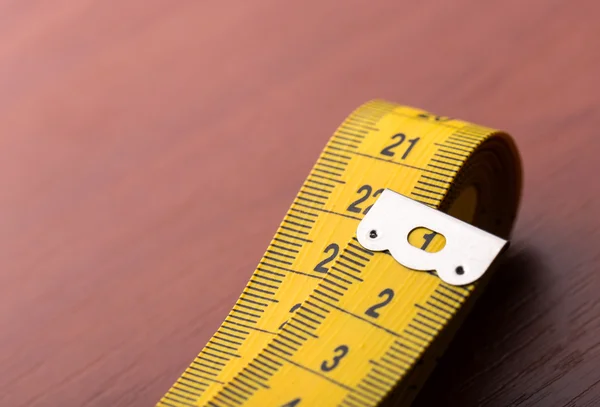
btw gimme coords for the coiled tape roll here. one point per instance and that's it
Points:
(324, 321)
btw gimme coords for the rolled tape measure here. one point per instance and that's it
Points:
(326, 320)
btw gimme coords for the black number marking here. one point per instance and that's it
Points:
(334, 249)
(428, 238)
(340, 352)
(388, 150)
(388, 293)
(433, 118)
(368, 193)
(293, 403)
(367, 189)
(294, 308)
(375, 195)
(401, 137)
(412, 143)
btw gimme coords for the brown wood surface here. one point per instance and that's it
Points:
(149, 149)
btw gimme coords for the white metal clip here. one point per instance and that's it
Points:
(466, 256)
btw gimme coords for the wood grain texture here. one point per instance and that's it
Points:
(149, 149)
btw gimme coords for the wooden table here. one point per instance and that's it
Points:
(149, 149)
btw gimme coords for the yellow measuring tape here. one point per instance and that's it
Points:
(325, 322)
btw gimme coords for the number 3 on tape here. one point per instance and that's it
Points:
(468, 251)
